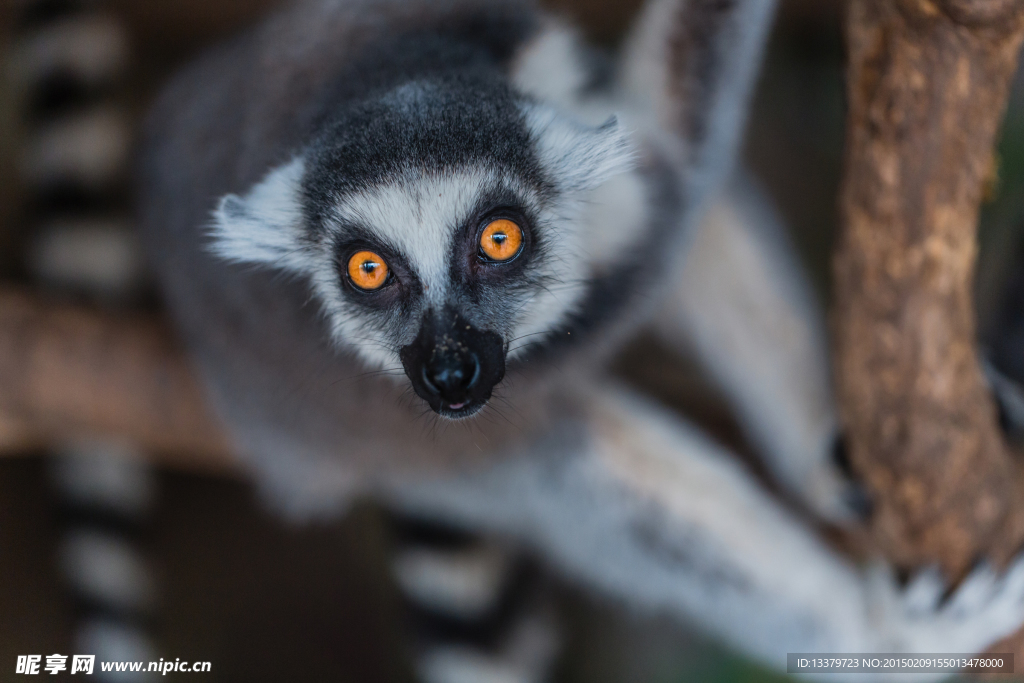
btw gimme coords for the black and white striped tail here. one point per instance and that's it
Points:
(480, 611)
(68, 61)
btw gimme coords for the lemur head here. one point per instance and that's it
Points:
(439, 224)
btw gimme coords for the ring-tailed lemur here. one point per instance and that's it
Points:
(368, 213)
(68, 62)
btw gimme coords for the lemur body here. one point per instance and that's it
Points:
(368, 210)
(412, 129)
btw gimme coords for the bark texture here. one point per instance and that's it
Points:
(70, 373)
(927, 87)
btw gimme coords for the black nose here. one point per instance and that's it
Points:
(453, 365)
(451, 376)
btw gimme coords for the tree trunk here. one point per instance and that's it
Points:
(927, 88)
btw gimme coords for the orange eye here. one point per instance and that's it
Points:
(367, 270)
(501, 240)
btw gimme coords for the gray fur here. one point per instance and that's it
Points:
(337, 121)
(243, 111)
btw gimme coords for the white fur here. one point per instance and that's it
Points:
(418, 214)
(578, 157)
(609, 219)
(742, 304)
(549, 67)
(650, 510)
(264, 226)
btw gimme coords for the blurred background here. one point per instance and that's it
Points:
(100, 550)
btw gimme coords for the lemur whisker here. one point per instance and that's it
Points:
(524, 336)
(389, 372)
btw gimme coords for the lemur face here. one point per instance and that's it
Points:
(440, 229)
(443, 268)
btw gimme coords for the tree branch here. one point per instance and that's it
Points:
(927, 85)
(69, 373)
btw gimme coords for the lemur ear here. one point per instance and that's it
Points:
(579, 157)
(265, 225)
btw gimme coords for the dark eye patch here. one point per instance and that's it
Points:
(470, 266)
(402, 283)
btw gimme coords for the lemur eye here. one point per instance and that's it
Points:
(501, 240)
(367, 270)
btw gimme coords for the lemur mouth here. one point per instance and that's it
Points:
(460, 411)
(453, 366)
